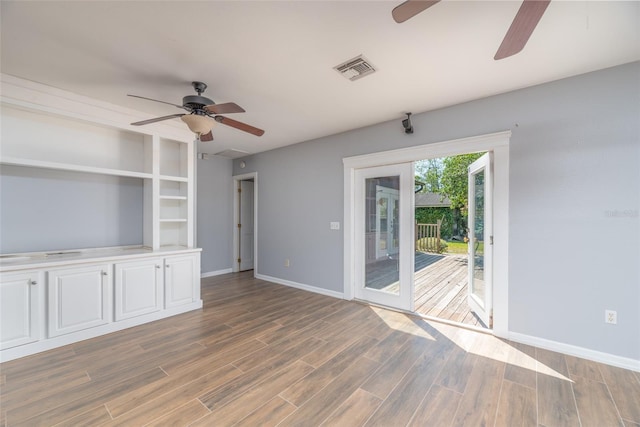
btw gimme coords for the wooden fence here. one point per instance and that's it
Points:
(428, 237)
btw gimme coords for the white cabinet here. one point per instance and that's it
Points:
(182, 284)
(49, 302)
(19, 308)
(138, 288)
(78, 298)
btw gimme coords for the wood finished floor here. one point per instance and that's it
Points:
(261, 354)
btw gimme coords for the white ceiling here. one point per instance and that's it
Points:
(276, 58)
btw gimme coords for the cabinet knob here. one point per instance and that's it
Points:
(157, 266)
(104, 273)
(33, 282)
(168, 266)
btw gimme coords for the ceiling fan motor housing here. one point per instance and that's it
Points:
(195, 102)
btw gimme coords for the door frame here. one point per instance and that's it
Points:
(498, 143)
(236, 220)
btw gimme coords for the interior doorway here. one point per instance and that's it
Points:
(245, 222)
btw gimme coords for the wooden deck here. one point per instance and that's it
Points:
(441, 288)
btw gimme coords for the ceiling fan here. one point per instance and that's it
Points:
(517, 36)
(203, 114)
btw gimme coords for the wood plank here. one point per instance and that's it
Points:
(437, 408)
(32, 392)
(625, 390)
(174, 398)
(457, 370)
(216, 362)
(268, 415)
(517, 406)
(480, 400)
(396, 367)
(323, 403)
(93, 417)
(182, 416)
(306, 388)
(402, 402)
(556, 402)
(253, 399)
(386, 348)
(56, 409)
(578, 367)
(236, 387)
(595, 405)
(521, 365)
(354, 411)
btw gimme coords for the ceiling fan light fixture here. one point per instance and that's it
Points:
(199, 124)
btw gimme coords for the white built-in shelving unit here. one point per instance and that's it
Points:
(44, 296)
(59, 140)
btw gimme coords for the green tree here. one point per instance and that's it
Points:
(429, 172)
(455, 186)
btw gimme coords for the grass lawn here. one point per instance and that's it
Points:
(461, 248)
(453, 247)
(456, 248)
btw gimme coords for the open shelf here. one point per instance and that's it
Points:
(71, 167)
(63, 143)
(37, 140)
(173, 159)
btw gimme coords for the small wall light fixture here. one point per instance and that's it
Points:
(406, 123)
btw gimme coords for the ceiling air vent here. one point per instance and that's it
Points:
(355, 68)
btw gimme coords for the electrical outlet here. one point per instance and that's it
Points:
(334, 225)
(611, 316)
(287, 263)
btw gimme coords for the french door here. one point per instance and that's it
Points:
(480, 290)
(384, 235)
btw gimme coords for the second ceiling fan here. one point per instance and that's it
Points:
(517, 36)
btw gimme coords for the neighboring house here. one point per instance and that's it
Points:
(431, 200)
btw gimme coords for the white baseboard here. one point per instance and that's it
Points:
(302, 286)
(572, 350)
(215, 273)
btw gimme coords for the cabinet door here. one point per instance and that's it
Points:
(138, 288)
(78, 298)
(19, 313)
(180, 280)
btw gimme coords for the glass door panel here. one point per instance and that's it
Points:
(382, 218)
(480, 239)
(384, 203)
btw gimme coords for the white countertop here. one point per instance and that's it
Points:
(50, 259)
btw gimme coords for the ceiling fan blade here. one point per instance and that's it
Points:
(157, 119)
(410, 8)
(239, 125)
(206, 137)
(522, 27)
(155, 100)
(229, 107)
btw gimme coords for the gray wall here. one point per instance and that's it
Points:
(44, 210)
(215, 213)
(574, 199)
